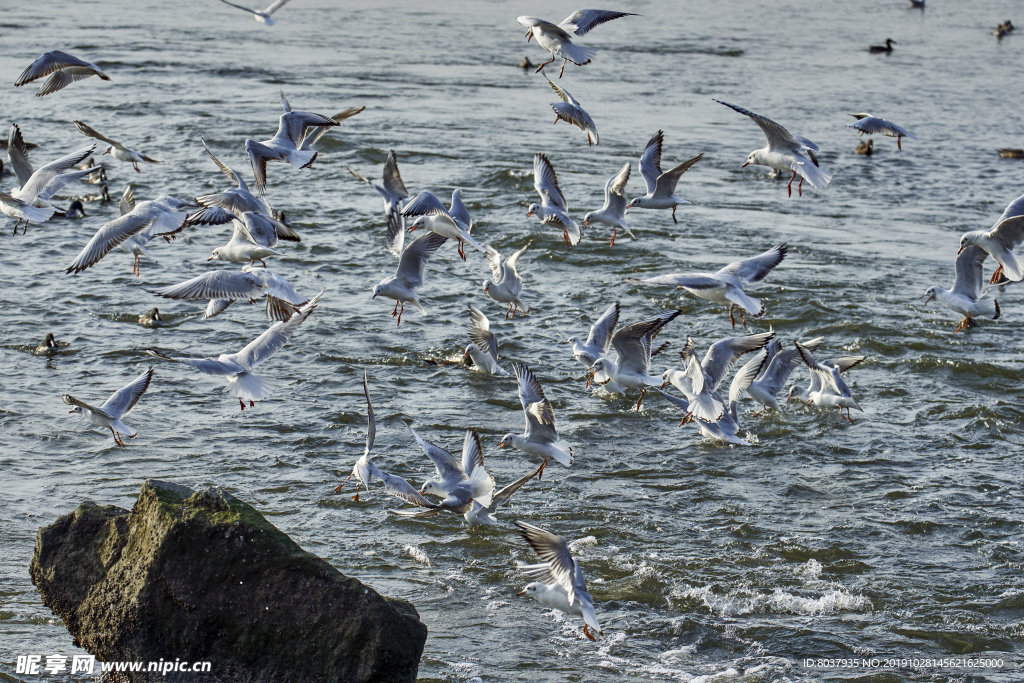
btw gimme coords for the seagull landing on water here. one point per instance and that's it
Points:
(634, 345)
(264, 16)
(599, 340)
(483, 352)
(408, 278)
(871, 125)
(284, 146)
(570, 111)
(613, 212)
(63, 70)
(785, 152)
(827, 386)
(553, 209)
(661, 187)
(114, 408)
(965, 297)
(557, 38)
(726, 285)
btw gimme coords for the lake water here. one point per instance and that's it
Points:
(899, 535)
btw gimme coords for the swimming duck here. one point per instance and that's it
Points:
(889, 42)
(866, 148)
(151, 318)
(48, 347)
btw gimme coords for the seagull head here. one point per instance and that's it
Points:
(531, 590)
(430, 486)
(796, 391)
(637, 201)
(932, 291)
(215, 256)
(467, 358)
(487, 285)
(420, 222)
(572, 340)
(377, 290)
(505, 440)
(108, 150)
(534, 208)
(966, 240)
(71, 402)
(586, 219)
(752, 159)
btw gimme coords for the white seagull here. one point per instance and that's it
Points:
(284, 146)
(634, 345)
(560, 582)
(30, 201)
(364, 469)
(314, 135)
(726, 285)
(483, 352)
(599, 340)
(264, 16)
(454, 223)
(483, 515)
(871, 125)
(238, 367)
(570, 111)
(408, 278)
(393, 191)
(253, 239)
(613, 212)
(63, 70)
(965, 297)
(116, 149)
(224, 287)
(785, 152)
(661, 187)
(557, 38)
(114, 408)
(541, 437)
(507, 284)
(774, 370)
(831, 391)
(166, 220)
(999, 242)
(553, 208)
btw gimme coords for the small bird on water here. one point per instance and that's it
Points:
(866, 148)
(889, 42)
(48, 347)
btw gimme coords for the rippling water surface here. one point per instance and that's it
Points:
(897, 535)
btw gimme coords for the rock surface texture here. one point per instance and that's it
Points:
(202, 576)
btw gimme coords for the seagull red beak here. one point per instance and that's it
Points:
(959, 250)
(521, 593)
(529, 214)
(745, 164)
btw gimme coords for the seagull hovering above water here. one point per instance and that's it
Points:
(392, 189)
(63, 70)
(114, 408)
(599, 340)
(557, 38)
(785, 152)
(314, 135)
(965, 297)
(224, 287)
(116, 149)
(483, 352)
(284, 146)
(408, 278)
(560, 582)
(508, 283)
(454, 223)
(570, 111)
(541, 437)
(613, 212)
(553, 208)
(871, 125)
(832, 390)
(726, 286)
(238, 367)
(660, 186)
(264, 16)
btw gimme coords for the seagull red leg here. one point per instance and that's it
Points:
(789, 186)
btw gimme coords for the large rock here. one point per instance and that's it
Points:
(202, 576)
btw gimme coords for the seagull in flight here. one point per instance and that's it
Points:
(613, 212)
(557, 38)
(871, 125)
(541, 437)
(393, 191)
(570, 111)
(661, 187)
(553, 208)
(114, 408)
(454, 223)
(408, 278)
(116, 149)
(264, 16)
(965, 297)
(63, 70)
(284, 146)
(364, 469)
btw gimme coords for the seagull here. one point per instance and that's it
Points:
(408, 278)
(843, 364)
(726, 285)
(114, 408)
(775, 369)
(239, 200)
(557, 38)
(116, 149)
(136, 244)
(314, 135)
(17, 154)
(264, 16)
(866, 123)
(29, 202)
(633, 344)
(430, 213)
(570, 111)
(459, 484)
(507, 284)
(660, 186)
(364, 469)
(552, 208)
(151, 318)
(598, 342)
(699, 382)
(483, 352)
(159, 214)
(392, 189)
(965, 297)
(613, 212)
(253, 239)
(560, 582)
(238, 367)
(224, 287)
(831, 390)
(786, 152)
(889, 42)
(481, 515)
(999, 242)
(63, 70)
(284, 146)
(541, 437)
(48, 347)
